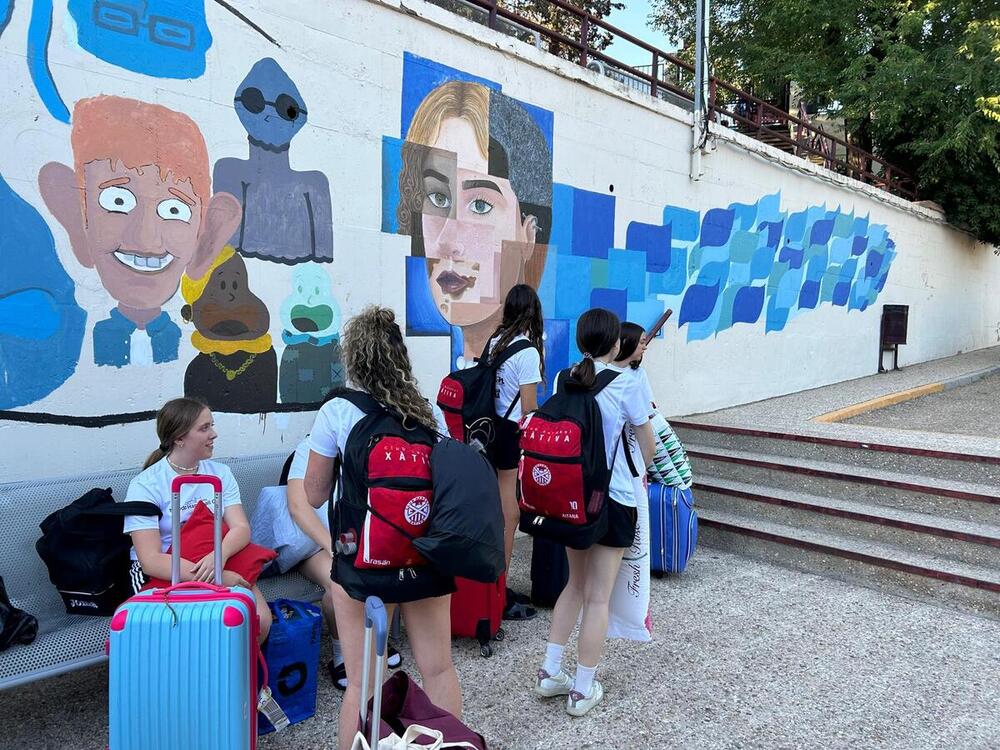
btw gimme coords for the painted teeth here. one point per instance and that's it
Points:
(144, 263)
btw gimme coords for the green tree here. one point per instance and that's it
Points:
(916, 81)
(567, 23)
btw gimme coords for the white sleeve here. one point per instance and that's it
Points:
(647, 391)
(529, 367)
(230, 489)
(326, 429)
(138, 489)
(442, 426)
(634, 404)
(300, 461)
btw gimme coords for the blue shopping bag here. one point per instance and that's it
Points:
(292, 655)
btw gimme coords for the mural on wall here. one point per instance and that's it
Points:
(310, 316)
(137, 207)
(475, 196)
(286, 213)
(41, 326)
(39, 34)
(236, 369)
(471, 183)
(163, 38)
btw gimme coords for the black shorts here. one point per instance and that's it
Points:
(622, 521)
(505, 450)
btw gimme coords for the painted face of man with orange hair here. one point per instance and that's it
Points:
(137, 207)
(476, 196)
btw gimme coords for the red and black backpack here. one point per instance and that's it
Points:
(563, 475)
(466, 397)
(385, 505)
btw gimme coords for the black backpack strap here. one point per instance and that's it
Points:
(130, 508)
(513, 403)
(628, 453)
(510, 351)
(603, 380)
(283, 479)
(364, 401)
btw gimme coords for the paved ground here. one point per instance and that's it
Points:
(968, 410)
(795, 411)
(745, 655)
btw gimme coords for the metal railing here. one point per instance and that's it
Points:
(669, 77)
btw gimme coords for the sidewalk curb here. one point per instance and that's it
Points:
(899, 397)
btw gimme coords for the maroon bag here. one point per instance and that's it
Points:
(404, 703)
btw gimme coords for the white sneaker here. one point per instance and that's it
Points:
(548, 686)
(577, 704)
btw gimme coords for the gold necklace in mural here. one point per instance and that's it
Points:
(232, 374)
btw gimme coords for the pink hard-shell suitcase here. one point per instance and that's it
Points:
(183, 659)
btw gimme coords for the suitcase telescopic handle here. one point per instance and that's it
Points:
(376, 638)
(175, 522)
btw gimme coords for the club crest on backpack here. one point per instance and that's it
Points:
(417, 511)
(541, 474)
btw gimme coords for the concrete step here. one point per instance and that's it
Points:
(960, 467)
(969, 587)
(964, 501)
(975, 543)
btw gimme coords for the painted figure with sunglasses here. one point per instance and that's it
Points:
(286, 213)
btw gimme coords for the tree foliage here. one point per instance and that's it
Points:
(567, 23)
(916, 81)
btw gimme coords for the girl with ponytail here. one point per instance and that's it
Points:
(592, 572)
(516, 394)
(377, 363)
(186, 431)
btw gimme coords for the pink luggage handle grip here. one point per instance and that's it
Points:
(175, 522)
(194, 585)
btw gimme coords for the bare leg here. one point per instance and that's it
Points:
(351, 626)
(511, 511)
(428, 627)
(264, 613)
(602, 570)
(317, 569)
(570, 602)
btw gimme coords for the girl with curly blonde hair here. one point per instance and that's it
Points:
(378, 364)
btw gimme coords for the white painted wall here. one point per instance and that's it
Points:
(346, 59)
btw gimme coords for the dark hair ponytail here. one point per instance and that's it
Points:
(522, 314)
(631, 334)
(597, 332)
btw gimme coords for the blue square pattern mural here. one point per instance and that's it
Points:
(741, 264)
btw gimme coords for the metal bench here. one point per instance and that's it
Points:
(67, 642)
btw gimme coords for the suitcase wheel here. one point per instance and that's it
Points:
(500, 635)
(658, 574)
(486, 650)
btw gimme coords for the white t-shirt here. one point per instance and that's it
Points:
(622, 485)
(524, 368)
(334, 422)
(153, 485)
(620, 402)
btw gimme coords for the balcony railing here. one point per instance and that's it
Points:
(669, 77)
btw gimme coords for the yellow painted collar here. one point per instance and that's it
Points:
(212, 346)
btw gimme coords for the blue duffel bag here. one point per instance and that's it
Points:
(292, 655)
(673, 524)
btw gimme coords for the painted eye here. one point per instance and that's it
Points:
(235, 286)
(117, 200)
(440, 200)
(300, 289)
(174, 210)
(223, 285)
(316, 292)
(480, 206)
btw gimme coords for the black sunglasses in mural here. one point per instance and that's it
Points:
(287, 108)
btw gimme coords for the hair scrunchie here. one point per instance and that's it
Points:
(588, 355)
(164, 448)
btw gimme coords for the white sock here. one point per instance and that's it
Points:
(553, 658)
(338, 654)
(584, 679)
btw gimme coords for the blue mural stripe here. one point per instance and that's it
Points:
(39, 31)
(6, 13)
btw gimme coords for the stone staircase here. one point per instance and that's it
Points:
(917, 522)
